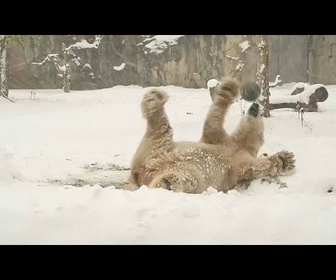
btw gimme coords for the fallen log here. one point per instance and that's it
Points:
(4, 96)
(303, 95)
(312, 107)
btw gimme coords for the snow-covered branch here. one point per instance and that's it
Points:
(263, 73)
(245, 45)
(239, 60)
(1, 94)
(276, 82)
(3, 65)
(49, 58)
(54, 58)
(84, 44)
(159, 43)
(302, 94)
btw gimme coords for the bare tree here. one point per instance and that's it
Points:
(66, 73)
(61, 63)
(239, 58)
(67, 57)
(5, 41)
(3, 65)
(263, 73)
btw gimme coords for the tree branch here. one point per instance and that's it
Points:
(1, 94)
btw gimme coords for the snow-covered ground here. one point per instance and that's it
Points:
(61, 154)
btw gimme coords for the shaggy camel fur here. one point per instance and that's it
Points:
(218, 160)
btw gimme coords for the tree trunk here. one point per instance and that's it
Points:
(66, 87)
(310, 107)
(66, 81)
(3, 66)
(301, 97)
(263, 73)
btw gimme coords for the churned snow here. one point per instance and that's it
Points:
(61, 153)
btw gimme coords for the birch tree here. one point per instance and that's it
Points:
(263, 73)
(5, 41)
(66, 71)
(3, 65)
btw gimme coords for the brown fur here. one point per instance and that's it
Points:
(218, 160)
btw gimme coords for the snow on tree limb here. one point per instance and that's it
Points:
(1, 94)
(276, 82)
(49, 58)
(262, 73)
(212, 83)
(232, 57)
(245, 45)
(159, 43)
(307, 97)
(3, 65)
(84, 44)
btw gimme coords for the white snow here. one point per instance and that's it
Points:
(49, 144)
(276, 81)
(299, 85)
(48, 58)
(283, 94)
(77, 61)
(84, 44)
(239, 66)
(262, 68)
(3, 61)
(212, 83)
(62, 67)
(232, 57)
(120, 67)
(87, 66)
(244, 45)
(159, 43)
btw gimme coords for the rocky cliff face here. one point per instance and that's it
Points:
(182, 60)
(101, 61)
(109, 60)
(322, 59)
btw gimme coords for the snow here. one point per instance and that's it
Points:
(283, 94)
(232, 57)
(62, 68)
(244, 45)
(3, 60)
(276, 82)
(59, 155)
(84, 44)
(159, 43)
(120, 67)
(239, 66)
(262, 68)
(87, 66)
(299, 85)
(48, 58)
(212, 83)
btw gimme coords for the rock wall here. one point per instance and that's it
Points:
(322, 59)
(288, 57)
(148, 60)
